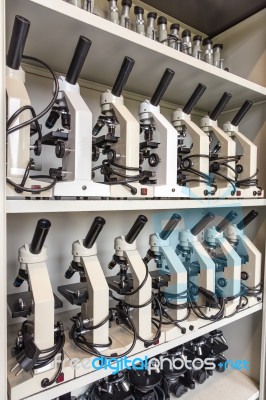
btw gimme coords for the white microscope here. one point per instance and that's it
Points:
(40, 341)
(121, 170)
(201, 274)
(73, 142)
(90, 329)
(159, 148)
(227, 265)
(19, 113)
(222, 151)
(136, 286)
(247, 182)
(193, 157)
(250, 257)
(170, 279)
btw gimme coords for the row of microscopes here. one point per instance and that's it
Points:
(171, 377)
(202, 49)
(149, 157)
(185, 287)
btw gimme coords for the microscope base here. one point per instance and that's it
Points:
(200, 192)
(251, 193)
(81, 188)
(27, 384)
(10, 190)
(252, 301)
(175, 191)
(85, 365)
(123, 191)
(172, 332)
(230, 307)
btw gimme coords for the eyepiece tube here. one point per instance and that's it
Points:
(94, 232)
(161, 88)
(202, 223)
(41, 231)
(226, 221)
(248, 218)
(242, 112)
(220, 106)
(17, 42)
(170, 226)
(136, 229)
(123, 76)
(194, 98)
(78, 60)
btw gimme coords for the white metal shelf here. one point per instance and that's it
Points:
(53, 206)
(110, 43)
(91, 377)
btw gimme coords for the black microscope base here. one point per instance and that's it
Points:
(14, 306)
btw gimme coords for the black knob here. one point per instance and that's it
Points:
(41, 231)
(60, 149)
(17, 42)
(220, 106)
(170, 226)
(161, 88)
(248, 218)
(123, 76)
(241, 113)
(226, 221)
(138, 10)
(126, 3)
(136, 229)
(94, 232)
(78, 60)
(152, 15)
(202, 223)
(194, 98)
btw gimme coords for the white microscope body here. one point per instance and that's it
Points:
(250, 255)
(76, 172)
(228, 274)
(204, 276)
(226, 150)
(18, 142)
(162, 163)
(177, 284)
(94, 300)
(127, 255)
(40, 324)
(198, 156)
(247, 167)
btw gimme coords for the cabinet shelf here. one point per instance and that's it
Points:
(41, 206)
(57, 26)
(250, 386)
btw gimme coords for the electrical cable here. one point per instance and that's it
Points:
(48, 107)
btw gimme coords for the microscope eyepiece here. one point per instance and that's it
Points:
(185, 33)
(136, 229)
(161, 20)
(123, 75)
(152, 15)
(126, 3)
(170, 226)
(248, 218)
(194, 98)
(175, 26)
(226, 221)
(161, 88)
(202, 223)
(138, 10)
(41, 231)
(226, 97)
(17, 42)
(78, 60)
(241, 113)
(94, 232)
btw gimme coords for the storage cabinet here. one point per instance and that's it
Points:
(55, 28)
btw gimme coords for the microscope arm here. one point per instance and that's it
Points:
(249, 155)
(200, 146)
(128, 143)
(253, 265)
(232, 273)
(207, 267)
(43, 299)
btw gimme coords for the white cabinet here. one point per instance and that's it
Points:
(55, 28)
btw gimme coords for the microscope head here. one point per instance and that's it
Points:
(211, 120)
(214, 233)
